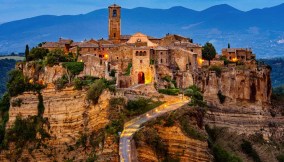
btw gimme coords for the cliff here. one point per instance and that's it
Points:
(71, 117)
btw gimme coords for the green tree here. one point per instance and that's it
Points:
(27, 52)
(55, 56)
(208, 52)
(73, 69)
(37, 53)
(16, 84)
(196, 96)
(229, 45)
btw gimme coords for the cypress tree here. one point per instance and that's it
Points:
(27, 52)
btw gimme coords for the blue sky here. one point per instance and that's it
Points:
(19, 9)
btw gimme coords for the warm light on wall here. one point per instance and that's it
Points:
(200, 61)
(106, 56)
(235, 59)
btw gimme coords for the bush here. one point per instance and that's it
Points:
(217, 69)
(167, 78)
(74, 68)
(128, 71)
(170, 121)
(190, 131)
(61, 82)
(196, 96)
(222, 155)
(96, 90)
(17, 102)
(141, 105)
(221, 97)
(56, 56)
(247, 149)
(16, 84)
(173, 91)
(78, 84)
(115, 126)
(112, 73)
(37, 54)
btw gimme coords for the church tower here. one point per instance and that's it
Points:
(114, 23)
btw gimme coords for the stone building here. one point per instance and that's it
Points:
(137, 58)
(238, 54)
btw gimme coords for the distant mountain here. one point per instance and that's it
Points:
(260, 29)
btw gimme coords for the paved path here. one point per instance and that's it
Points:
(134, 125)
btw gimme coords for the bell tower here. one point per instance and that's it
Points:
(114, 23)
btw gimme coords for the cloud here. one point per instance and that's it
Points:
(191, 26)
(281, 41)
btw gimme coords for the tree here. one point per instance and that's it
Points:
(196, 96)
(208, 52)
(55, 57)
(27, 52)
(229, 45)
(37, 53)
(73, 69)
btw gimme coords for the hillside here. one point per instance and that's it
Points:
(5, 65)
(277, 74)
(221, 24)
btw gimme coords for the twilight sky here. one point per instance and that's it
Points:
(18, 9)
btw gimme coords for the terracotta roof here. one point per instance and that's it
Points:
(236, 49)
(88, 45)
(160, 48)
(107, 45)
(125, 37)
(150, 37)
(65, 41)
(186, 44)
(52, 45)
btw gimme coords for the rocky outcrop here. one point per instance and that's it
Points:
(181, 146)
(243, 88)
(69, 116)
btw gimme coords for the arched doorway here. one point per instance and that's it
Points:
(141, 78)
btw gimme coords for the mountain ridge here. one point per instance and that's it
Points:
(220, 24)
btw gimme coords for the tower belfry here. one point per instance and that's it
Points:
(114, 23)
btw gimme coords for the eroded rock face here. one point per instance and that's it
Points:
(179, 145)
(69, 115)
(248, 89)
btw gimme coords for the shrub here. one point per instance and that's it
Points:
(173, 91)
(82, 141)
(55, 57)
(17, 102)
(78, 84)
(128, 71)
(190, 131)
(16, 84)
(248, 149)
(217, 69)
(112, 73)
(92, 158)
(96, 90)
(170, 121)
(141, 105)
(196, 96)
(222, 155)
(61, 82)
(74, 68)
(221, 97)
(37, 54)
(167, 78)
(115, 126)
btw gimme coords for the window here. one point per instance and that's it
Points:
(114, 14)
(191, 50)
(116, 57)
(161, 61)
(114, 35)
(141, 61)
(101, 62)
(137, 53)
(144, 53)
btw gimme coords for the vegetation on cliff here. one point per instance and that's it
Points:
(277, 73)
(5, 66)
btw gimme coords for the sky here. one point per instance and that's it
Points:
(18, 9)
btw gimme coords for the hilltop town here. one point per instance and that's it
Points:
(88, 101)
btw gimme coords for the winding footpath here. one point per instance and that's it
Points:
(125, 150)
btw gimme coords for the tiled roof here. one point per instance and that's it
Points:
(65, 41)
(160, 48)
(186, 44)
(52, 45)
(125, 37)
